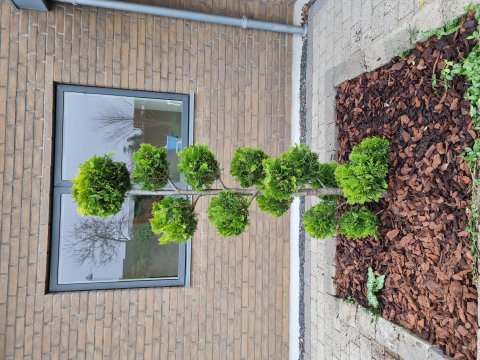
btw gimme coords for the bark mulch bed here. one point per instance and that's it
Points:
(423, 247)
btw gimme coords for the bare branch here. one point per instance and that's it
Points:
(173, 185)
(321, 183)
(253, 197)
(97, 240)
(196, 201)
(301, 192)
(221, 182)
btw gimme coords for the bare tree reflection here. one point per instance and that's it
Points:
(119, 125)
(97, 240)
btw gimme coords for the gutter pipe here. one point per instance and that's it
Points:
(242, 22)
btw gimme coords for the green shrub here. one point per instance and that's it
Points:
(228, 212)
(374, 284)
(151, 167)
(321, 220)
(304, 161)
(247, 166)
(273, 206)
(174, 219)
(199, 166)
(325, 176)
(100, 186)
(359, 224)
(281, 178)
(363, 178)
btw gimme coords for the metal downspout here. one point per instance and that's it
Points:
(191, 15)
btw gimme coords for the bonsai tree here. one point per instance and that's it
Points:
(102, 185)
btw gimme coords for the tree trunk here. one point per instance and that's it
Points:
(168, 192)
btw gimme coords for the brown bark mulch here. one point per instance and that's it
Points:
(423, 247)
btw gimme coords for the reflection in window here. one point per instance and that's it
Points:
(119, 124)
(119, 249)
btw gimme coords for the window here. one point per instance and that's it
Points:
(119, 251)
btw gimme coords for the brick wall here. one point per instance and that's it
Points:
(238, 304)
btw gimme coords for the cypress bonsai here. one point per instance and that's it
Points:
(102, 185)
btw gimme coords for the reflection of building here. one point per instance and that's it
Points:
(144, 256)
(160, 122)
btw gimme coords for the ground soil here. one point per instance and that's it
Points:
(423, 247)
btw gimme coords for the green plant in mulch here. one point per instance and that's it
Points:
(448, 72)
(404, 53)
(363, 177)
(449, 28)
(228, 212)
(199, 166)
(100, 186)
(359, 224)
(471, 156)
(151, 167)
(174, 219)
(320, 221)
(247, 166)
(374, 285)
(470, 68)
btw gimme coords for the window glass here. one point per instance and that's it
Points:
(117, 248)
(95, 124)
(89, 252)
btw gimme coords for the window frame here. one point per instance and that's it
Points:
(61, 187)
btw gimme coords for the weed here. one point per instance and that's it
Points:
(449, 28)
(470, 68)
(374, 285)
(413, 34)
(448, 72)
(434, 80)
(404, 53)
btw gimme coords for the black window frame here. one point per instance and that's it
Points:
(61, 187)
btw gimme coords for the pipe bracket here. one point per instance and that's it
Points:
(244, 22)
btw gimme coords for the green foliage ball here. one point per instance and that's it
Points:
(151, 167)
(100, 186)
(363, 178)
(281, 178)
(228, 212)
(359, 224)
(247, 166)
(320, 221)
(326, 178)
(273, 206)
(304, 161)
(199, 166)
(174, 219)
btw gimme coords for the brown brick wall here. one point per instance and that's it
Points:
(237, 306)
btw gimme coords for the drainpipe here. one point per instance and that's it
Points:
(243, 22)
